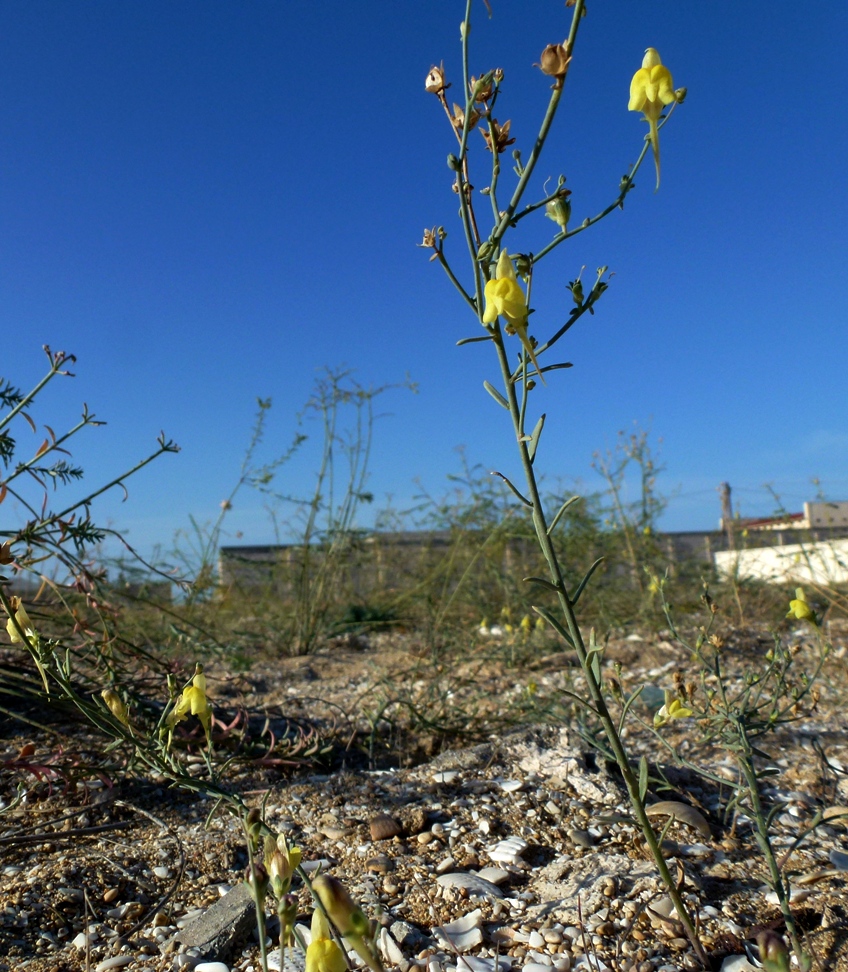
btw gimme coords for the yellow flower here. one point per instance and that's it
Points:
(505, 298)
(323, 953)
(23, 622)
(650, 91)
(800, 609)
(348, 918)
(673, 709)
(193, 700)
(116, 706)
(281, 861)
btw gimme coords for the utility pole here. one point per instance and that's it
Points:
(727, 515)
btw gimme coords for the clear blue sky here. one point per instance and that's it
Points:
(208, 201)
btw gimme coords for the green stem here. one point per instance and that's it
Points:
(596, 695)
(761, 834)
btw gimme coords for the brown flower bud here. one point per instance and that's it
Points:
(435, 82)
(6, 552)
(554, 60)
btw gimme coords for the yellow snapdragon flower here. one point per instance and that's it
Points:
(23, 622)
(800, 609)
(651, 90)
(673, 709)
(505, 298)
(193, 700)
(323, 953)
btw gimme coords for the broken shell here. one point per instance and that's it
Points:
(684, 813)
(463, 934)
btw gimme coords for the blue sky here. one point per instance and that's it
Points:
(208, 202)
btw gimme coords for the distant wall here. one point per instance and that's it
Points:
(824, 562)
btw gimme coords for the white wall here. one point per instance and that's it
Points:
(824, 563)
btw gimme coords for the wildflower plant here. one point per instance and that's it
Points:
(498, 290)
(734, 713)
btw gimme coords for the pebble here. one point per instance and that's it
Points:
(384, 827)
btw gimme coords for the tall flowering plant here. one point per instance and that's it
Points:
(497, 290)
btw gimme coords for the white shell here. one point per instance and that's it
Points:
(463, 934)
(508, 851)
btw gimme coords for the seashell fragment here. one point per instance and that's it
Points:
(445, 776)
(510, 786)
(835, 815)
(477, 963)
(684, 813)
(796, 896)
(476, 886)
(508, 851)
(463, 934)
(384, 827)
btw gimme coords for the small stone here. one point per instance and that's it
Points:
(384, 827)
(443, 867)
(381, 864)
(211, 967)
(110, 894)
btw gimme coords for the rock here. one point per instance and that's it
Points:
(384, 827)
(223, 927)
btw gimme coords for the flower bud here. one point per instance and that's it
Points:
(341, 908)
(773, 951)
(116, 705)
(6, 552)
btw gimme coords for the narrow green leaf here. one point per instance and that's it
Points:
(533, 444)
(473, 340)
(523, 499)
(496, 395)
(595, 665)
(554, 623)
(543, 582)
(560, 511)
(582, 585)
(643, 778)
